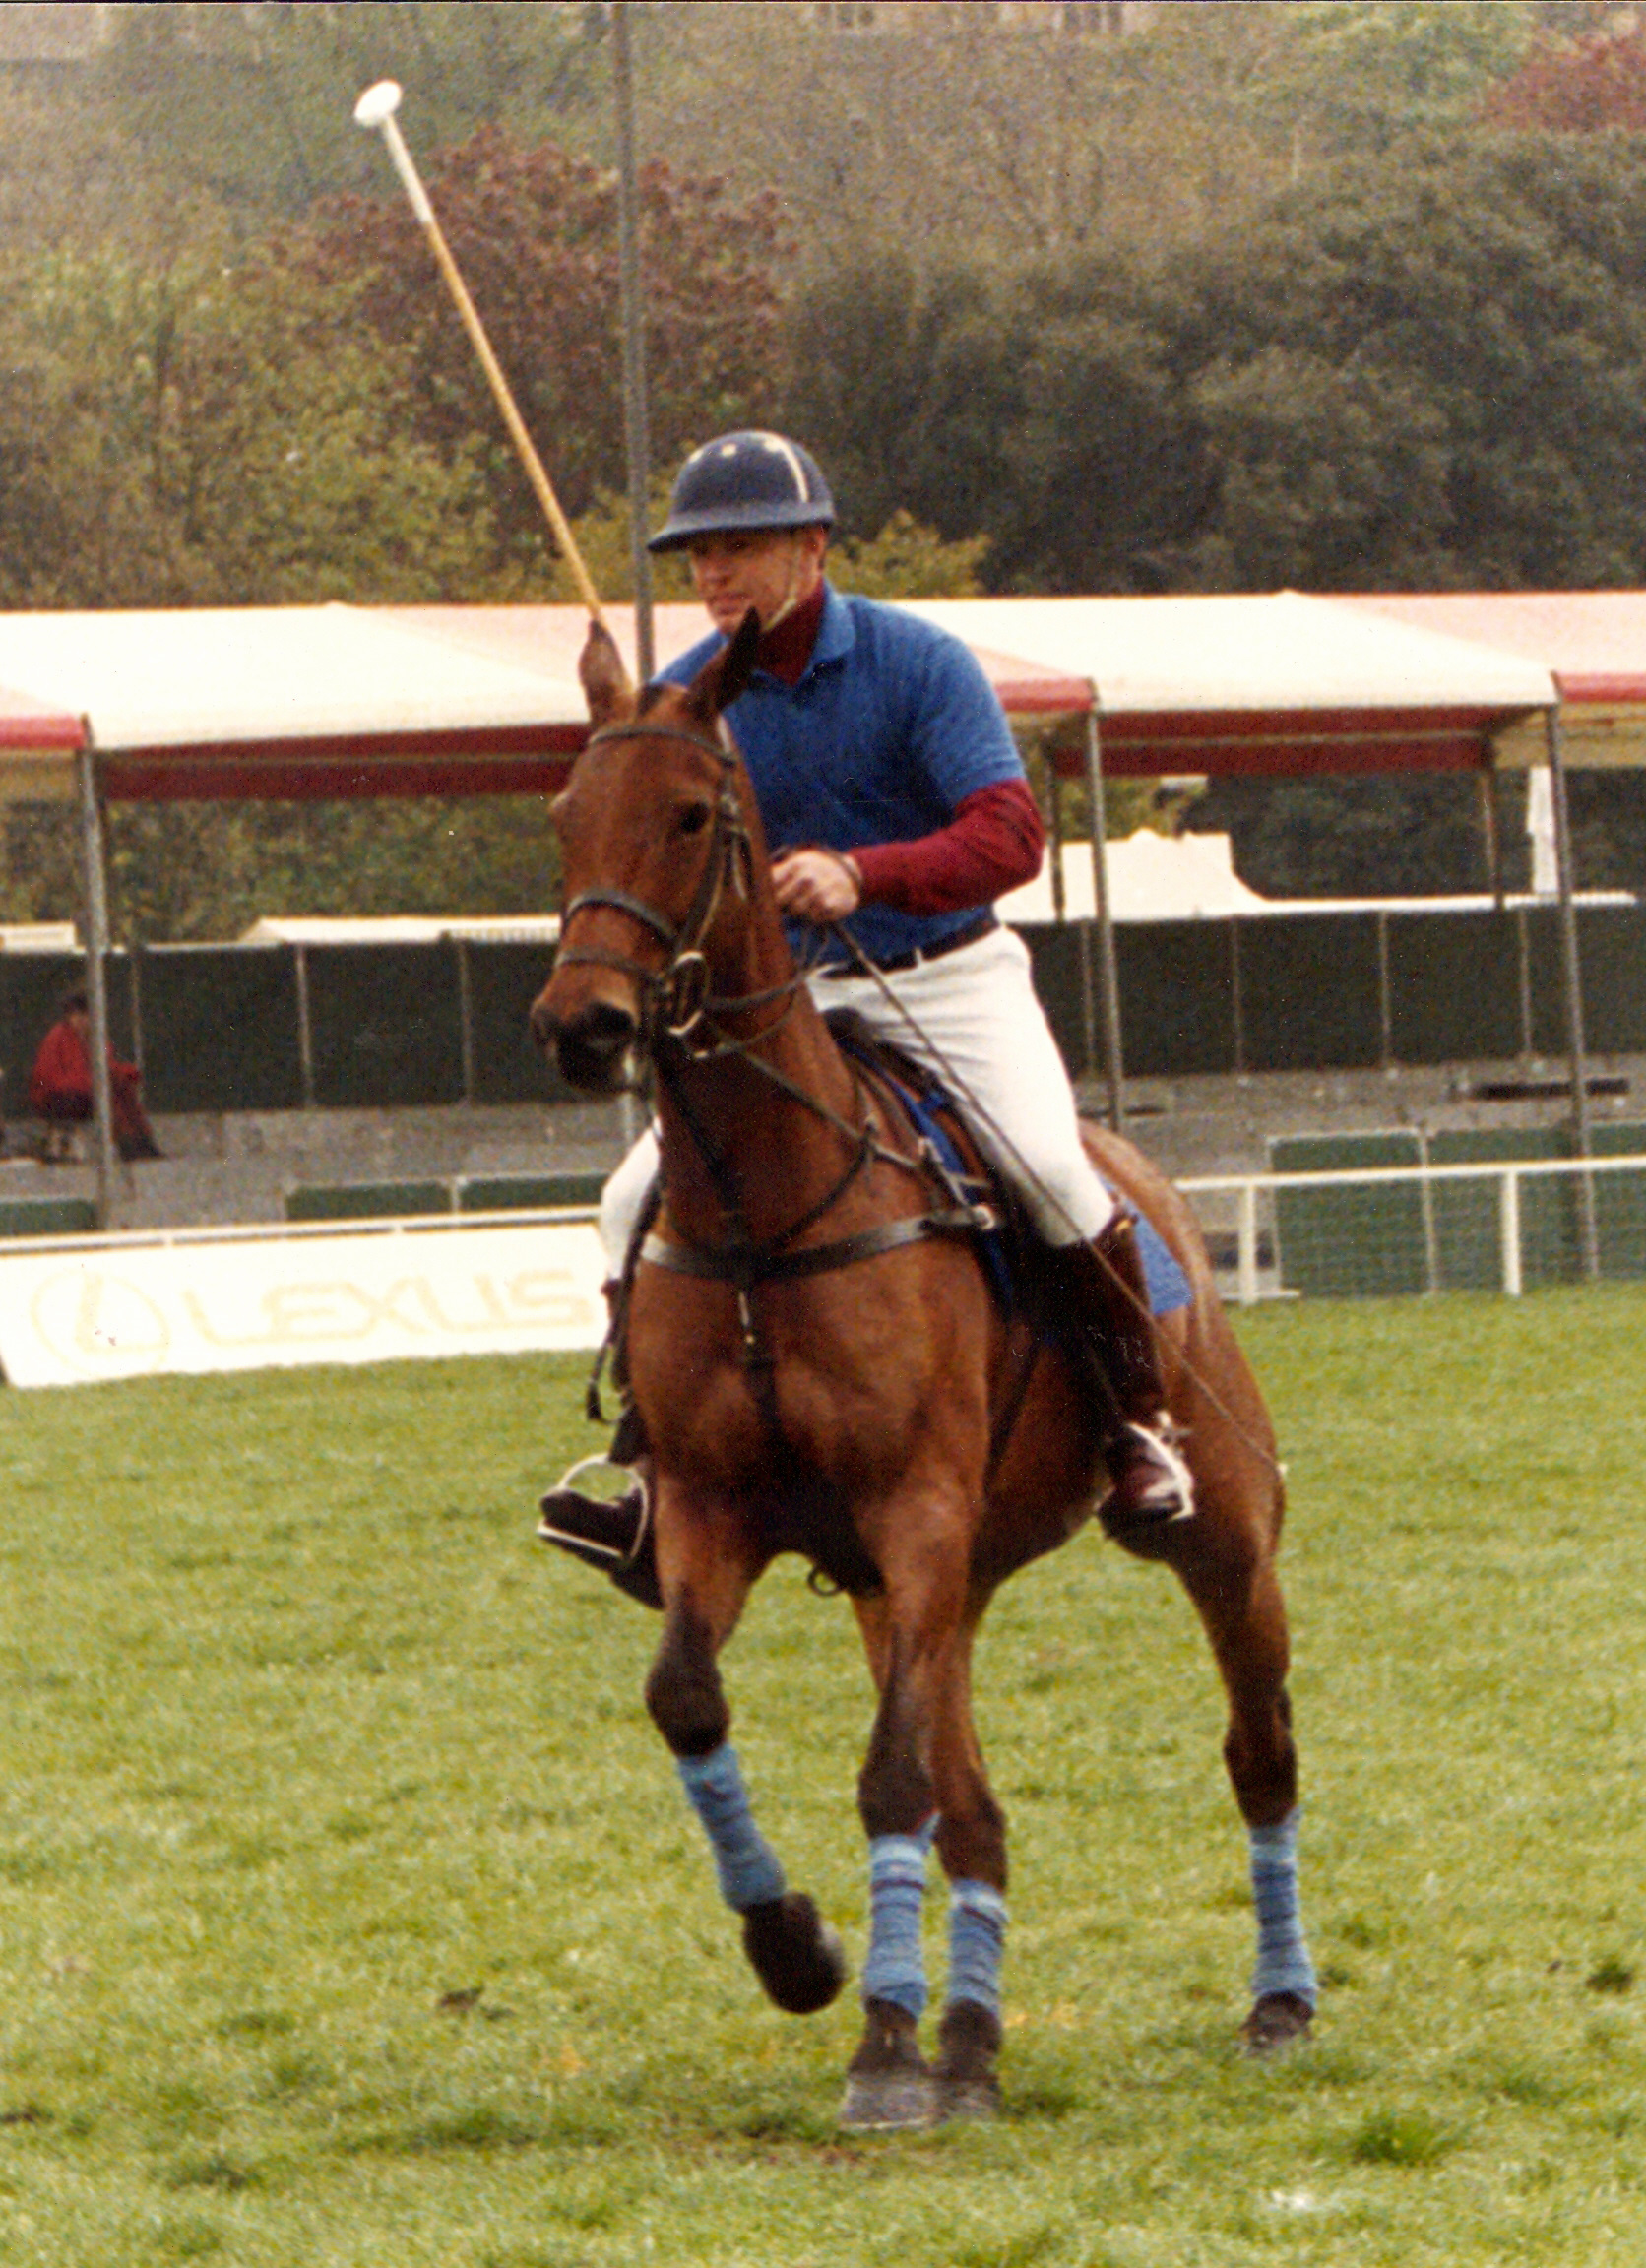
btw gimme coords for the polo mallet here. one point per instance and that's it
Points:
(377, 107)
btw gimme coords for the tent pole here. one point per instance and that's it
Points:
(1110, 982)
(636, 431)
(1588, 1241)
(1487, 778)
(1054, 831)
(95, 890)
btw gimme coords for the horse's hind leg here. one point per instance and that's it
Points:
(973, 1857)
(1225, 1559)
(795, 1955)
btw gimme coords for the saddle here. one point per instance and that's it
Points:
(1016, 1257)
(1000, 1228)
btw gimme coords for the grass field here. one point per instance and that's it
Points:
(350, 1913)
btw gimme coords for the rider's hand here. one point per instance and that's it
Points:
(819, 886)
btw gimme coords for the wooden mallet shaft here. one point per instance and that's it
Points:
(376, 108)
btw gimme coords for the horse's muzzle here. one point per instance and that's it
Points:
(592, 1048)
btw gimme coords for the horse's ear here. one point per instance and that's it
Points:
(605, 683)
(719, 681)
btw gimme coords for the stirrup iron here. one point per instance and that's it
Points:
(594, 1542)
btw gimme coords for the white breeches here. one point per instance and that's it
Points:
(974, 1017)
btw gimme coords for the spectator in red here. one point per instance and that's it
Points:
(60, 1088)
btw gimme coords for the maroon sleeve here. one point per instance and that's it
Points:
(993, 844)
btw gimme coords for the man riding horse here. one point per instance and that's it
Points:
(895, 799)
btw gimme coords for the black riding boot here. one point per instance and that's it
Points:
(1110, 1330)
(613, 1533)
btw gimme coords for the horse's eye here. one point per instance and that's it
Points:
(693, 819)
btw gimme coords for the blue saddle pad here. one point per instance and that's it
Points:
(1162, 1275)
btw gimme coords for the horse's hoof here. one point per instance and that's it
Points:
(969, 2040)
(888, 2087)
(1277, 2023)
(795, 1955)
(962, 2099)
(888, 2103)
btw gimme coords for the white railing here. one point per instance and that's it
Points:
(1357, 1230)
(1551, 1220)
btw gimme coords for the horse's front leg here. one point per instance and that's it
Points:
(707, 1566)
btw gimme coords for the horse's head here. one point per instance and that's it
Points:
(655, 828)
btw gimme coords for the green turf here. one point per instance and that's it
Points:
(350, 1913)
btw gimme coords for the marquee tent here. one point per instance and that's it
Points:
(1592, 644)
(341, 700)
(1270, 685)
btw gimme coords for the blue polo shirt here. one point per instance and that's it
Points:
(891, 728)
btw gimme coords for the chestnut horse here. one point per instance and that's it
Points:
(819, 1365)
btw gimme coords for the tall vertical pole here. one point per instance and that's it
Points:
(632, 307)
(95, 887)
(1588, 1239)
(1108, 988)
(1487, 778)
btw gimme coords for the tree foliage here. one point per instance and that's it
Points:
(1467, 343)
(534, 233)
(1579, 86)
(1394, 380)
(214, 433)
(250, 110)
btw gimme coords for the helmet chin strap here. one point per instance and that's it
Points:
(791, 596)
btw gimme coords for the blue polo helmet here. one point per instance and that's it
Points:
(745, 481)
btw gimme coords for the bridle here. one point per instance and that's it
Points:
(675, 998)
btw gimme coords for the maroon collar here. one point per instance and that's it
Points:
(785, 651)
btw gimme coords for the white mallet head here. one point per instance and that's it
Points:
(377, 107)
(378, 103)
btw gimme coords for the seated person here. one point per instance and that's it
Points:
(60, 1087)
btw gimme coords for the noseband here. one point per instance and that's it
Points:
(674, 997)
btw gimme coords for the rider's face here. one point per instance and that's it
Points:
(767, 568)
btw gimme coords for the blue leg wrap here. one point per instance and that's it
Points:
(977, 1942)
(1283, 1962)
(749, 1873)
(895, 1969)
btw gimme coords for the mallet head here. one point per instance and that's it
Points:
(378, 103)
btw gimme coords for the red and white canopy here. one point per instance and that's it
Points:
(350, 700)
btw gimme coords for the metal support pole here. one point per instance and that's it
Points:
(1054, 832)
(1246, 1263)
(306, 1031)
(1508, 1232)
(1490, 835)
(95, 885)
(1588, 1238)
(1108, 987)
(632, 303)
(465, 1017)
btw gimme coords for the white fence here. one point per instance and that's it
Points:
(78, 1308)
(1509, 1226)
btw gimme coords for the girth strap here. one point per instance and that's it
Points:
(745, 1267)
